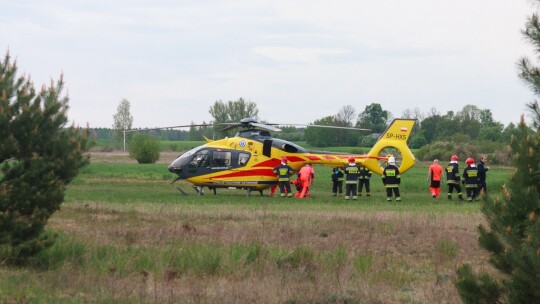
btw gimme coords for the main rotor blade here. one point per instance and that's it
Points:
(166, 128)
(249, 124)
(265, 126)
(323, 126)
(229, 126)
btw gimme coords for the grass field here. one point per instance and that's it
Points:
(127, 235)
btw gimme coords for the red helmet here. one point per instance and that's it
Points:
(284, 159)
(454, 157)
(351, 159)
(469, 161)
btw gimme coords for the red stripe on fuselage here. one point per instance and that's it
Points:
(295, 159)
(268, 163)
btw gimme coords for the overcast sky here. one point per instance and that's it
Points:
(298, 60)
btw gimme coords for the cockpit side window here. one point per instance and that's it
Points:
(221, 159)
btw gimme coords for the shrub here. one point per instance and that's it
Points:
(441, 150)
(144, 149)
(417, 141)
(366, 141)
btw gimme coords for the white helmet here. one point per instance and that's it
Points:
(391, 160)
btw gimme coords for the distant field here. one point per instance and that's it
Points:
(127, 235)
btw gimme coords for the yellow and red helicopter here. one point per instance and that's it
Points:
(246, 160)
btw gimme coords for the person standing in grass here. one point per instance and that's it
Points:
(337, 181)
(482, 169)
(391, 179)
(351, 179)
(363, 180)
(435, 178)
(284, 172)
(453, 178)
(306, 176)
(470, 179)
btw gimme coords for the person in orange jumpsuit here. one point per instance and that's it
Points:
(306, 176)
(273, 189)
(298, 185)
(435, 178)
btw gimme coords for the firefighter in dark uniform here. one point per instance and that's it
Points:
(284, 172)
(337, 181)
(351, 179)
(363, 180)
(470, 179)
(391, 179)
(453, 178)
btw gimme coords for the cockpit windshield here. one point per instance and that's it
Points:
(186, 157)
(188, 153)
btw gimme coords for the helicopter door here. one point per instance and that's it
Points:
(267, 147)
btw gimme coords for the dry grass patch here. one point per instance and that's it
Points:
(209, 254)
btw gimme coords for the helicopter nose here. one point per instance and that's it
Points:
(175, 170)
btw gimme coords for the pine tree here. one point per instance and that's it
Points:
(39, 157)
(513, 234)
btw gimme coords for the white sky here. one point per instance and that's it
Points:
(298, 60)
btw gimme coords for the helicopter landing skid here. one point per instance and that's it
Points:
(181, 191)
(199, 190)
(248, 192)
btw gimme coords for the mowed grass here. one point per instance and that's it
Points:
(127, 235)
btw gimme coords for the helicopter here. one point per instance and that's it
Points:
(246, 160)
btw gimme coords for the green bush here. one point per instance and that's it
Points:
(366, 141)
(443, 150)
(144, 149)
(417, 141)
(497, 153)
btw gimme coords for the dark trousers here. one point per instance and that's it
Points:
(389, 191)
(284, 187)
(451, 188)
(337, 187)
(472, 193)
(361, 184)
(350, 189)
(482, 186)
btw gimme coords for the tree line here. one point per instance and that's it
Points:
(468, 124)
(468, 132)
